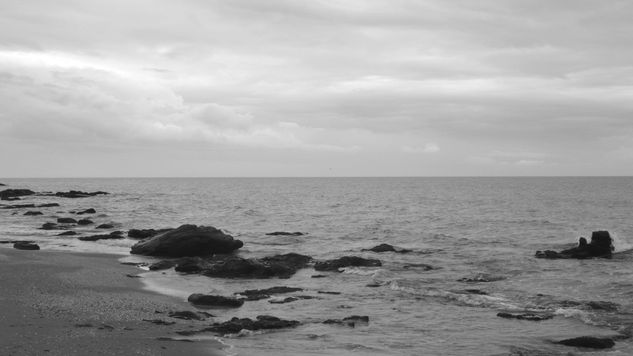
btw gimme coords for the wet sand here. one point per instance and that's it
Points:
(61, 303)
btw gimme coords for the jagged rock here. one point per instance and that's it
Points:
(67, 233)
(526, 316)
(601, 245)
(191, 265)
(351, 321)
(110, 236)
(284, 233)
(235, 325)
(257, 294)
(346, 261)
(145, 233)
(87, 211)
(85, 222)
(387, 248)
(14, 193)
(188, 240)
(66, 221)
(214, 300)
(25, 245)
(33, 213)
(105, 226)
(589, 342)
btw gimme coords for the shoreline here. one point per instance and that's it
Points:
(66, 303)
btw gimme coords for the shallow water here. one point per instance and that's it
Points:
(464, 227)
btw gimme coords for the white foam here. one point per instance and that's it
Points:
(621, 244)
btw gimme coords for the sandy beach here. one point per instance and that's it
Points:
(60, 303)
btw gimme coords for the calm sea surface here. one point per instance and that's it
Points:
(464, 227)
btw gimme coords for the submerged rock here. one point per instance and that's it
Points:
(48, 205)
(188, 240)
(351, 321)
(7, 194)
(481, 278)
(25, 245)
(214, 300)
(77, 194)
(105, 226)
(589, 342)
(145, 233)
(18, 206)
(387, 248)
(110, 236)
(85, 222)
(284, 233)
(49, 226)
(601, 245)
(346, 261)
(87, 211)
(67, 233)
(526, 316)
(33, 213)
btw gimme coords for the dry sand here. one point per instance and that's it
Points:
(59, 303)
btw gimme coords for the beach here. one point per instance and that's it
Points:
(63, 303)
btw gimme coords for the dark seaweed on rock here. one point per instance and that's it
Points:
(346, 261)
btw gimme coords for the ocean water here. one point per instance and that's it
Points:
(464, 227)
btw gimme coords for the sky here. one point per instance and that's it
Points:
(208, 88)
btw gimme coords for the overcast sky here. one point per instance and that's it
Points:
(315, 88)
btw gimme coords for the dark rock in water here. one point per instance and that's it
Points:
(281, 266)
(48, 205)
(67, 233)
(318, 276)
(475, 291)
(105, 226)
(159, 322)
(66, 221)
(257, 294)
(526, 316)
(328, 292)
(351, 321)
(387, 248)
(87, 211)
(191, 265)
(290, 299)
(2, 184)
(18, 206)
(14, 193)
(346, 261)
(421, 266)
(110, 236)
(188, 240)
(77, 194)
(145, 233)
(291, 260)
(284, 233)
(33, 213)
(85, 222)
(602, 305)
(601, 245)
(235, 325)
(481, 278)
(589, 342)
(12, 199)
(160, 265)
(25, 245)
(214, 300)
(49, 226)
(189, 315)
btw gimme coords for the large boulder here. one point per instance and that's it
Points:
(188, 240)
(601, 245)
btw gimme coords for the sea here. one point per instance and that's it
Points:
(479, 235)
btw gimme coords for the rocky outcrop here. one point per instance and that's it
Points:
(188, 240)
(25, 245)
(346, 261)
(214, 300)
(387, 248)
(235, 325)
(160, 265)
(526, 316)
(145, 233)
(281, 266)
(111, 236)
(589, 342)
(7, 194)
(601, 245)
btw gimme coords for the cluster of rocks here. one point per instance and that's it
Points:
(601, 246)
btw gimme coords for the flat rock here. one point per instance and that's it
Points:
(33, 213)
(214, 300)
(67, 233)
(18, 206)
(84, 222)
(105, 226)
(76, 194)
(189, 315)
(526, 316)
(589, 342)
(481, 278)
(25, 245)
(284, 233)
(110, 236)
(49, 226)
(188, 240)
(66, 221)
(346, 261)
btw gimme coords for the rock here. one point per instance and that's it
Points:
(290, 260)
(289, 299)
(284, 233)
(475, 291)
(328, 292)
(67, 233)
(346, 261)
(589, 342)
(49, 226)
(318, 276)
(387, 248)
(66, 221)
(601, 245)
(18, 206)
(14, 193)
(281, 266)
(602, 305)
(481, 278)
(526, 316)
(48, 205)
(105, 226)
(235, 325)
(257, 294)
(110, 236)
(87, 211)
(84, 222)
(189, 315)
(159, 322)
(76, 194)
(351, 321)
(162, 265)
(214, 300)
(2, 184)
(188, 240)
(145, 233)
(421, 266)
(190, 265)
(33, 213)
(25, 245)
